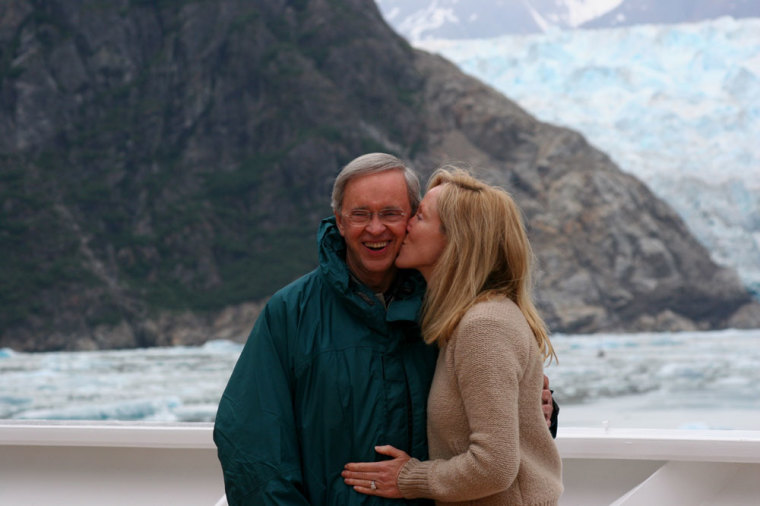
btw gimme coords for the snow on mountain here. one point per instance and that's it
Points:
(457, 19)
(678, 106)
(636, 12)
(425, 19)
(569, 13)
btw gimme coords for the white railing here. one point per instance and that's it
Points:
(632, 467)
(113, 463)
(128, 463)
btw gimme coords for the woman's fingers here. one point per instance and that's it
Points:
(363, 484)
(383, 474)
(389, 450)
(356, 475)
(359, 482)
(382, 487)
(363, 467)
(377, 478)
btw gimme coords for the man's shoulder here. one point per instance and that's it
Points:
(289, 301)
(311, 289)
(303, 284)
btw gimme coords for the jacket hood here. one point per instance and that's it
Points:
(332, 254)
(408, 288)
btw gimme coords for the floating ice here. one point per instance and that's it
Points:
(661, 380)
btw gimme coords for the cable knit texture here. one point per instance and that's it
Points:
(489, 443)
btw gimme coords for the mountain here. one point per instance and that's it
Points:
(639, 12)
(476, 19)
(450, 19)
(164, 165)
(674, 105)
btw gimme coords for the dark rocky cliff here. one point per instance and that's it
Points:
(163, 166)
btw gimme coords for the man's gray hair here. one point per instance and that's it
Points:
(373, 163)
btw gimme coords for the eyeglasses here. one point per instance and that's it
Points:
(360, 217)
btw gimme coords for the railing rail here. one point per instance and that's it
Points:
(126, 463)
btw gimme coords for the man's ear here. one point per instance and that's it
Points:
(339, 222)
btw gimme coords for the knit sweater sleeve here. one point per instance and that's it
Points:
(490, 350)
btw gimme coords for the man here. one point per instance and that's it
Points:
(335, 364)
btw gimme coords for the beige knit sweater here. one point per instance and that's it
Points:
(489, 443)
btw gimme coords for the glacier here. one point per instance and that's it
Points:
(678, 106)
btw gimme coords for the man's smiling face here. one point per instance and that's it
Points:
(372, 247)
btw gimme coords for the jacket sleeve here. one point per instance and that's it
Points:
(255, 431)
(555, 418)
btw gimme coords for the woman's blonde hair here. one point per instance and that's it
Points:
(487, 253)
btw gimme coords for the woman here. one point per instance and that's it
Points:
(488, 440)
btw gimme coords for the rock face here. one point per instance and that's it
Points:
(611, 256)
(163, 166)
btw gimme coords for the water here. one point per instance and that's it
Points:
(660, 380)
(159, 384)
(700, 380)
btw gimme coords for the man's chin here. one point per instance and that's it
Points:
(379, 267)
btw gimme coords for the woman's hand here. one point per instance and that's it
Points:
(546, 402)
(377, 478)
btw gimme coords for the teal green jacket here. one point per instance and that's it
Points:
(327, 373)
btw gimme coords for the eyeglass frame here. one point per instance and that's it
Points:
(365, 216)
